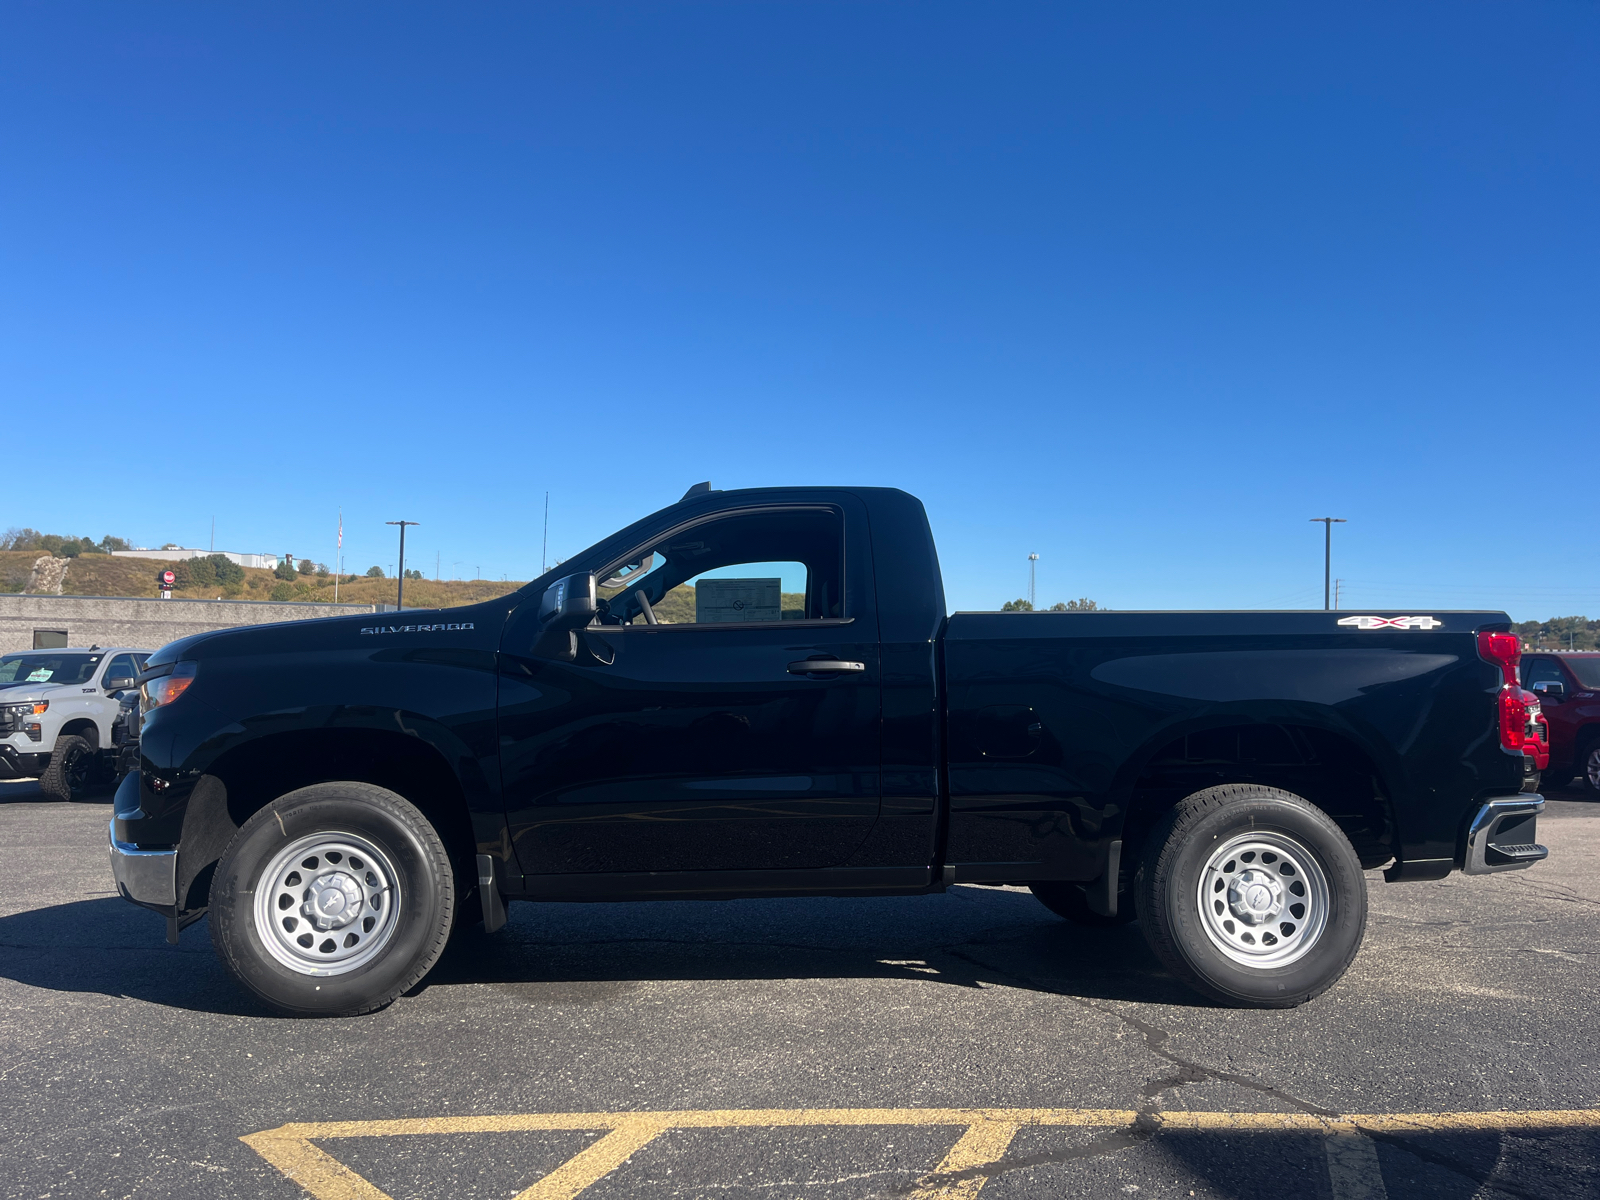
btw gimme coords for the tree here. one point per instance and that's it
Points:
(322, 570)
(307, 567)
(109, 543)
(227, 572)
(283, 591)
(412, 574)
(285, 568)
(374, 572)
(1083, 605)
(1016, 606)
(202, 572)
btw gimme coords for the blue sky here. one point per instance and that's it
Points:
(1140, 288)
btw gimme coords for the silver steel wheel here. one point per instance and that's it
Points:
(1263, 899)
(1591, 768)
(327, 904)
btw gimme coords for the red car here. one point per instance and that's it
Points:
(1568, 687)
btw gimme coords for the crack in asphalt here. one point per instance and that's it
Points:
(1145, 1126)
(1554, 891)
(1148, 1123)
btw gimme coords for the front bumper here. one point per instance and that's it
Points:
(19, 764)
(1500, 837)
(147, 877)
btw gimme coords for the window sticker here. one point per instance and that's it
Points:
(39, 676)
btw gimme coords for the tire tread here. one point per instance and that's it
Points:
(222, 934)
(1156, 871)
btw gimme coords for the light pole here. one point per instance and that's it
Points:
(1032, 559)
(1327, 555)
(400, 596)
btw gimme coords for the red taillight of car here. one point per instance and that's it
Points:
(1513, 719)
(1504, 650)
(164, 689)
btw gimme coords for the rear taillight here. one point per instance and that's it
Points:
(1503, 650)
(1513, 718)
(164, 689)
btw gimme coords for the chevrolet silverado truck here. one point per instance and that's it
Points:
(1568, 688)
(58, 710)
(759, 693)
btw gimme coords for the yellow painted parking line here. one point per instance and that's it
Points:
(984, 1142)
(987, 1133)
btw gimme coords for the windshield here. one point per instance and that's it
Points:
(1586, 669)
(49, 668)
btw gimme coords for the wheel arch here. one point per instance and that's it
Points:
(250, 775)
(1329, 766)
(83, 727)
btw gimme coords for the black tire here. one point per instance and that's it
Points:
(1068, 901)
(70, 769)
(1188, 940)
(417, 927)
(1587, 762)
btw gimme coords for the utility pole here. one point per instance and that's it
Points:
(400, 596)
(1327, 557)
(1032, 560)
(1336, 584)
(544, 548)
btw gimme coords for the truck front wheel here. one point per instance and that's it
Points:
(332, 900)
(1252, 896)
(67, 774)
(1589, 764)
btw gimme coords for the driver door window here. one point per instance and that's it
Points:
(757, 568)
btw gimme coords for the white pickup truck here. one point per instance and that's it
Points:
(56, 712)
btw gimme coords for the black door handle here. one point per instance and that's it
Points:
(825, 666)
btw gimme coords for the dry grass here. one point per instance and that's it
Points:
(102, 575)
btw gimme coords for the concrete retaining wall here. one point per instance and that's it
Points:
(147, 624)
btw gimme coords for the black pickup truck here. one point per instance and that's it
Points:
(759, 693)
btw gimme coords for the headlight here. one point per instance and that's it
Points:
(164, 689)
(31, 709)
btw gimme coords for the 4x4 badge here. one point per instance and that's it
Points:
(1392, 622)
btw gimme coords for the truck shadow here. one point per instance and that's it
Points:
(597, 953)
(27, 791)
(969, 937)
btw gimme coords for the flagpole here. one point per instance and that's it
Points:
(338, 555)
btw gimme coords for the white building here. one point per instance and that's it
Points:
(268, 561)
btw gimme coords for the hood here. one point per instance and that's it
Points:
(21, 693)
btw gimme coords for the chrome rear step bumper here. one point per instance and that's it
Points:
(1501, 835)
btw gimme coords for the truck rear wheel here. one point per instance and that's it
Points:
(1252, 896)
(71, 763)
(332, 900)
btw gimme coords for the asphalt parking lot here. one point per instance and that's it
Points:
(939, 1046)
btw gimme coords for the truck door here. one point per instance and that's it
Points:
(688, 732)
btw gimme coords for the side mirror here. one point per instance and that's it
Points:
(566, 607)
(1550, 689)
(568, 603)
(120, 684)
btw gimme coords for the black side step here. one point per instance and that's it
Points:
(1506, 853)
